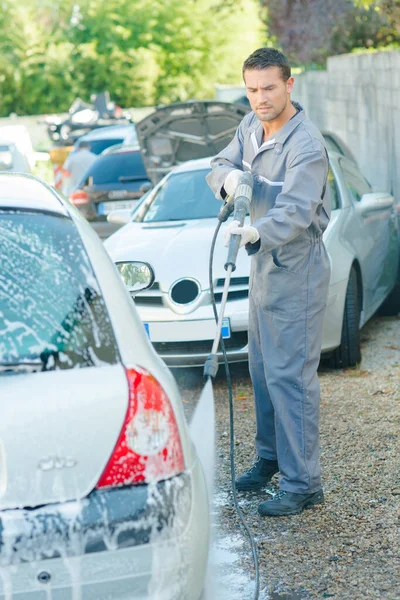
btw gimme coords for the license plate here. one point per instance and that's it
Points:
(226, 329)
(104, 208)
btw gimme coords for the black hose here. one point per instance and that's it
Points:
(231, 424)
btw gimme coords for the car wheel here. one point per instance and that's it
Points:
(64, 132)
(348, 354)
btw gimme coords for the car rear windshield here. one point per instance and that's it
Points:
(97, 146)
(115, 168)
(51, 308)
(183, 196)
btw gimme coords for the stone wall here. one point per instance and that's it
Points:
(358, 98)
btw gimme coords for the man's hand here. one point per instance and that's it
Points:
(249, 234)
(232, 181)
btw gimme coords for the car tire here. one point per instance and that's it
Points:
(348, 354)
(65, 130)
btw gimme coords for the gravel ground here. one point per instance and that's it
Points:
(350, 547)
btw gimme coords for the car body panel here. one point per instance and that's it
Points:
(173, 561)
(57, 465)
(13, 194)
(179, 132)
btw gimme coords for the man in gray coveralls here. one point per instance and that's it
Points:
(289, 277)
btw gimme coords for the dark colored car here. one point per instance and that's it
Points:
(117, 179)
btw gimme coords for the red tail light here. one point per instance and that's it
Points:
(149, 447)
(78, 198)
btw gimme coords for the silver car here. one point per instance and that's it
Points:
(172, 231)
(101, 491)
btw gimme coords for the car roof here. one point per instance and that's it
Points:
(108, 132)
(205, 163)
(121, 149)
(115, 151)
(194, 165)
(19, 190)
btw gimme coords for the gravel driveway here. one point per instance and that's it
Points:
(350, 547)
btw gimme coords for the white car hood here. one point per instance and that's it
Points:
(175, 250)
(181, 249)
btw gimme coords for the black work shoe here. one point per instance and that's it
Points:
(289, 503)
(258, 476)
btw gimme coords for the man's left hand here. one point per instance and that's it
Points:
(248, 233)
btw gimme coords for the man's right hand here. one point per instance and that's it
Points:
(232, 181)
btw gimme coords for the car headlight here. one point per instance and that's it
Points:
(6, 159)
(137, 276)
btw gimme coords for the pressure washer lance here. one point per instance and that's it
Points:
(240, 204)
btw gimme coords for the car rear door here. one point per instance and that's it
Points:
(374, 237)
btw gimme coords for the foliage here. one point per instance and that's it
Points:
(142, 51)
(311, 30)
(389, 8)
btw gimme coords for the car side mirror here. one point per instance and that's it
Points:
(137, 276)
(373, 202)
(121, 216)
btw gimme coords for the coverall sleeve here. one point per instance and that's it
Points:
(296, 206)
(229, 158)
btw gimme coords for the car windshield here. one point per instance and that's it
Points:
(52, 314)
(183, 196)
(97, 146)
(114, 168)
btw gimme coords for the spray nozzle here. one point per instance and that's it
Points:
(227, 209)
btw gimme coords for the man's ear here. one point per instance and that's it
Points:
(290, 85)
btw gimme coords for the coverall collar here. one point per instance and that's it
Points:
(279, 138)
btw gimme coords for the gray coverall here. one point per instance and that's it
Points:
(289, 279)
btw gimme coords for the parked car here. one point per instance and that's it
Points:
(335, 144)
(172, 231)
(116, 179)
(100, 139)
(101, 491)
(11, 159)
(82, 117)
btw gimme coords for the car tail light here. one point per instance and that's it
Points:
(149, 447)
(78, 198)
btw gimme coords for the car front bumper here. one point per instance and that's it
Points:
(187, 341)
(120, 543)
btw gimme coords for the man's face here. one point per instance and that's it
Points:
(268, 94)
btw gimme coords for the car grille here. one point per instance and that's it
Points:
(234, 295)
(237, 341)
(238, 290)
(234, 281)
(148, 300)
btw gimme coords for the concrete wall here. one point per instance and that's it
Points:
(358, 98)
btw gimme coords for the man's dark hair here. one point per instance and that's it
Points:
(267, 57)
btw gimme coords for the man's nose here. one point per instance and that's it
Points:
(262, 96)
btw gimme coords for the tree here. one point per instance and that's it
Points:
(311, 30)
(389, 8)
(142, 51)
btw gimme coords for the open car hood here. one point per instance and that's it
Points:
(179, 132)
